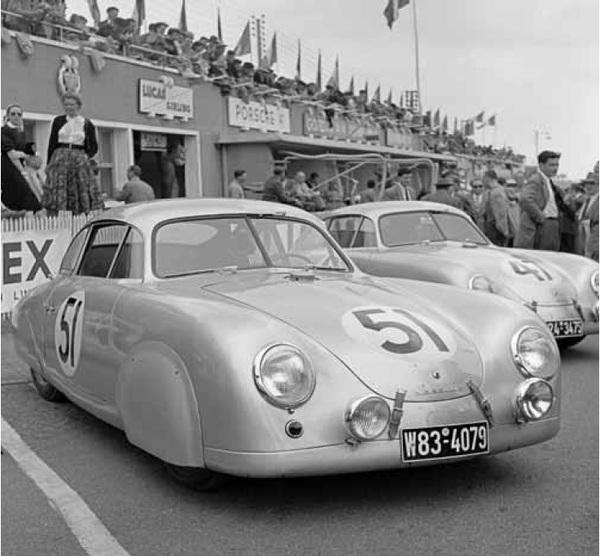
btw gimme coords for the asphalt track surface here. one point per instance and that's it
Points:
(538, 500)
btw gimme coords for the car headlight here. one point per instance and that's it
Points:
(534, 399)
(594, 281)
(284, 375)
(480, 283)
(535, 352)
(367, 418)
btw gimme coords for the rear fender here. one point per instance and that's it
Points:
(157, 405)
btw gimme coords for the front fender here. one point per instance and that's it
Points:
(157, 406)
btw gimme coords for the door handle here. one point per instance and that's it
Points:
(49, 309)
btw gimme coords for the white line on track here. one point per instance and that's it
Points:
(92, 535)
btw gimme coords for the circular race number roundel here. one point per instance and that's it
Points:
(67, 331)
(396, 331)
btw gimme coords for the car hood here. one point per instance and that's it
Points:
(532, 279)
(388, 337)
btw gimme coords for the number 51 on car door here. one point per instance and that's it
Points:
(68, 330)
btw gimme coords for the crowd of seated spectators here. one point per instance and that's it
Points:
(208, 59)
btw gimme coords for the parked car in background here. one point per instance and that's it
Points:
(235, 337)
(438, 243)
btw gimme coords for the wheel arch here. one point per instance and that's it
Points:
(157, 404)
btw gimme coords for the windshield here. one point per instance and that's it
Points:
(206, 244)
(416, 227)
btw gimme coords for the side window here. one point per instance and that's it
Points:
(101, 249)
(366, 235)
(130, 260)
(343, 229)
(67, 266)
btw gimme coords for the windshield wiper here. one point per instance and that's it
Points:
(333, 268)
(219, 270)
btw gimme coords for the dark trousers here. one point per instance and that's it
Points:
(567, 243)
(547, 235)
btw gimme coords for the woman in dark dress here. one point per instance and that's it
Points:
(70, 181)
(16, 193)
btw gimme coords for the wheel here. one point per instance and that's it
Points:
(565, 343)
(45, 389)
(197, 478)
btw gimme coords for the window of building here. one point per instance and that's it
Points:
(106, 163)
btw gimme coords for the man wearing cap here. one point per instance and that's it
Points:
(442, 194)
(109, 26)
(401, 189)
(540, 202)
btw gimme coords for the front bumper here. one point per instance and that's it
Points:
(365, 456)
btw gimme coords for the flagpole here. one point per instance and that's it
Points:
(414, 3)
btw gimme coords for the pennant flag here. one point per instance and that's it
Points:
(139, 12)
(492, 120)
(299, 61)
(219, 27)
(436, 118)
(391, 10)
(351, 86)
(389, 98)
(367, 89)
(272, 54)
(319, 82)
(244, 45)
(427, 119)
(334, 80)
(377, 94)
(455, 126)
(183, 18)
(479, 117)
(469, 127)
(95, 11)
(445, 124)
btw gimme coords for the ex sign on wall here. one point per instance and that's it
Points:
(29, 258)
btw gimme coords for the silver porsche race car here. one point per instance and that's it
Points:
(236, 337)
(438, 243)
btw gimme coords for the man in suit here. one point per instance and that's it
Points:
(540, 204)
(495, 212)
(442, 195)
(401, 190)
(587, 217)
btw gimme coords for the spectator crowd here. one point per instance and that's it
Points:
(208, 58)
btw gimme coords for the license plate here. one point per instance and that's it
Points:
(565, 328)
(445, 442)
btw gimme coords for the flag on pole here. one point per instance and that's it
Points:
(377, 94)
(299, 61)
(351, 86)
(334, 80)
(445, 123)
(138, 15)
(244, 45)
(319, 81)
(272, 53)
(183, 18)
(436, 118)
(469, 127)
(95, 11)
(219, 27)
(391, 10)
(389, 98)
(480, 116)
(455, 126)
(367, 89)
(492, 120)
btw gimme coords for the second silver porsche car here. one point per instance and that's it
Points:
(438, 243)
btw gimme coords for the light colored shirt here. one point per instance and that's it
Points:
(235, 190)
(73, 131)
(135, 191)
(550, 210)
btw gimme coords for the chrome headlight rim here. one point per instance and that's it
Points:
(264, 391)
(518, 360)
(353, 409)
(594, 281)
(523, 390)
(475, 278)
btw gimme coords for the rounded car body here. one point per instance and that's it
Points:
(236, 336)
(437, 243)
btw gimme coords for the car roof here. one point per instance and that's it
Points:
(148, 214)
(380, 208)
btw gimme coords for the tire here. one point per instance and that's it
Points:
(196, 478)
(45, 389)
(565, 343)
